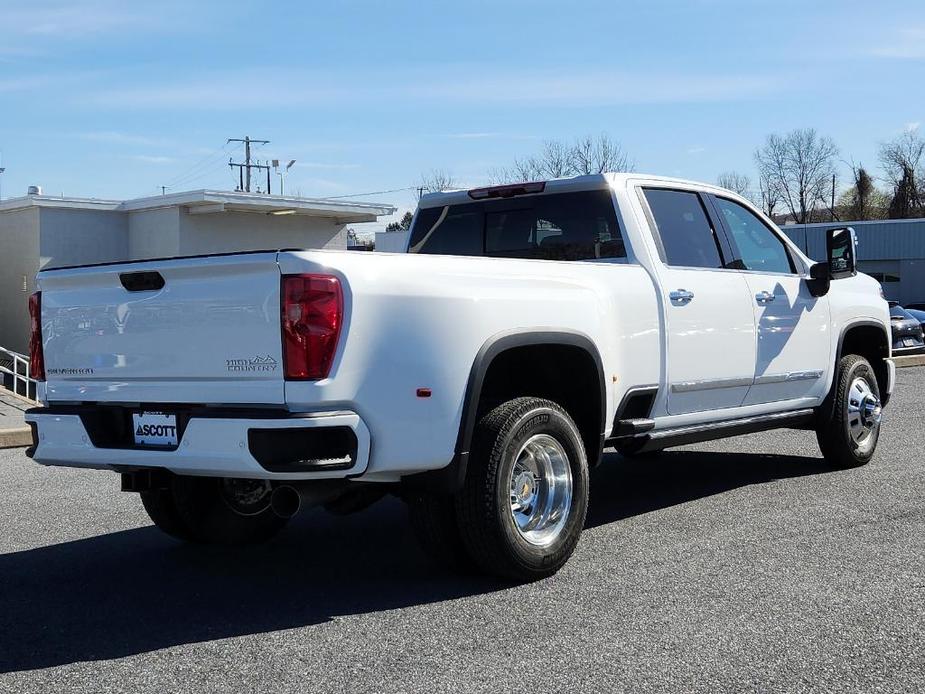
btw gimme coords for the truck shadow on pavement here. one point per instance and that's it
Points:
(136, 591)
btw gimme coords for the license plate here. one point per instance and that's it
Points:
(909, 342)
(155, 429)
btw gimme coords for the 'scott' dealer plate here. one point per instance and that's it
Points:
(155, 429)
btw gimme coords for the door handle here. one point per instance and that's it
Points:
(681, 296)
(764, 297)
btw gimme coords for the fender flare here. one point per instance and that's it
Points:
(450, 478)
(827, 404)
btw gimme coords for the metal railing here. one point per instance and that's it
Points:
(15, 369)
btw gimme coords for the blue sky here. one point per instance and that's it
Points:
(113, 99)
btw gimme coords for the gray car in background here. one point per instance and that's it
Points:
(906, 330)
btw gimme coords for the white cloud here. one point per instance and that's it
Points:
(911, 127)
(323, 165)
(491, 135)
(436, 85)
(18, 84)
(308, 187)
(473, 136)
(153, 159)
(696, 149)
(907, 43)
(120, 138)
(75, 19)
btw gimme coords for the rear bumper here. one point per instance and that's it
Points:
(218, 446)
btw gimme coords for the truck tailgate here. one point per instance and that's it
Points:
(209, 335)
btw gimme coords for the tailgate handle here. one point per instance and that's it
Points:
(142, 281)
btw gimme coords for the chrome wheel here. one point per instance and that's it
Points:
(246, 497)
(541, 490)
(864, 411)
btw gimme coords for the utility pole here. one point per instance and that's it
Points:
(247, 165)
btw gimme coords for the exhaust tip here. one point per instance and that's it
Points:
(285, 501)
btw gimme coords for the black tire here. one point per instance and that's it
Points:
(840, 448)
(163, 512)
(483, 506)
(433, 519)
(196, 509)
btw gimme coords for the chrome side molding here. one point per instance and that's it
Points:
(689, 386)
(787, 377)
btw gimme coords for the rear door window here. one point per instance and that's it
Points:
(558, 226)
(687, 236)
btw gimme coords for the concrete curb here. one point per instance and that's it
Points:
(14, 438)
(21, 398)
(911, 360)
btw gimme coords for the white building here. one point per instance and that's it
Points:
(39, 231)
(392, 241)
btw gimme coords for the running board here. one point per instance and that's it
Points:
(681, 436)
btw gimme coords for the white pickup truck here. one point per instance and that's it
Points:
(478, 376)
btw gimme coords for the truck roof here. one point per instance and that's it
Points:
(562, 185)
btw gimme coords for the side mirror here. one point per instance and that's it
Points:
(841, 251)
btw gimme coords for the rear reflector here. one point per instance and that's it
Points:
(36, 355)
(312, 313)
(508, 191)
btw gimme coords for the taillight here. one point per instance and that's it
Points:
(312, 312)
(36, 355)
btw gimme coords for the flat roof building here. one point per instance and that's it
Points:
(892, 251)
(42, 231)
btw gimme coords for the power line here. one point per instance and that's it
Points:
(201, 167)
(199, 163)
(214, 167)
(375, 192)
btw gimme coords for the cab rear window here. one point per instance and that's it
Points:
(558, 226)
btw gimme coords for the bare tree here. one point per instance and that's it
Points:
(799, 167)
(435, 181)
(587, 155)
(902, 154)
(598, 155)
(768, 194)
(526, 169)
(736, 182)
(556, 159)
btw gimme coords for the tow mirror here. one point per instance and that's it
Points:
(841, 252)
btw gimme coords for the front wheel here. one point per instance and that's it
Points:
(848, 435)
(212, 510)
(523, 504)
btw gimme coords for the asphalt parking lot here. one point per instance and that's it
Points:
(742, 565)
